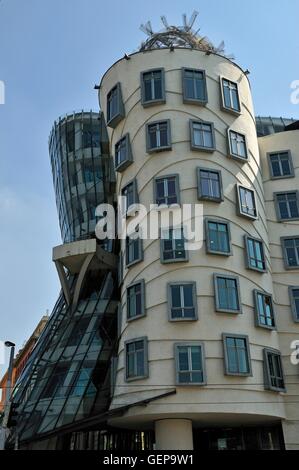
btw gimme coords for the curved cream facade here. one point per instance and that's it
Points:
(282, 278)
(224, 400)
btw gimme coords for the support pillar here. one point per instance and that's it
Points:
(174, 434)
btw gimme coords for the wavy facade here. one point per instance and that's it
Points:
(208, 325)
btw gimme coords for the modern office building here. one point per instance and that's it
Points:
(21, 359)
(198, 354)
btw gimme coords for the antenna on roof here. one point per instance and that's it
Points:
(192, 19)
(147, 28)
(164, 21)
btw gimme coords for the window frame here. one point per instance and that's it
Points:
(203, 361)
(128, 212)
(290, 159)
(194, 298)
(177, 188)
(277, 209)
(114, 120)
(207, 233)
(140, 282)
(146, 103)
(145, 359)
(139, 259)
(164, 147)
(292, 303)
(201, 148)
(225, 354)
(238, 311)
(239, 205)
(285, 257)
(129, 156)
(200, 196)
(267, 378)
(248, 265)
(230, 151)
(176, 260)
(223, 106)
(195, 101)
(258, 323)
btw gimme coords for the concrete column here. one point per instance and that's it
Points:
(174, 434)
(291, 434)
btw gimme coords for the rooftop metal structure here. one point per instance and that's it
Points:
(184, 36)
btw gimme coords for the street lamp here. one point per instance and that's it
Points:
(3, 429)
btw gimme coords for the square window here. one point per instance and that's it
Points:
(130, 197)
(227, 294)
(237, 145)
(236, 355)
(123, 153)
(115, 106)
(287, 205)
(173, 245)
(294, 298)
(274, 379)
(167, 190)
(182, 301)
(136, 352)
(152, 87)
(230, 96)
(255, 254)
(134, 251)
(202, 135)
(264, 310)
(290, 248)
(136, 300)
(281, 165)
(209, 184)
(158, 136)
(218, 237)
(246, 202)
(194, 86)
(190, 363)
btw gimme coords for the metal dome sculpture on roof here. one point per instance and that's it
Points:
(179, 36)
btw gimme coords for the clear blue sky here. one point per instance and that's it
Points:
(52, 52)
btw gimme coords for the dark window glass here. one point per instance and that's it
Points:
(265, 310)
(275, 370)
(135, 359)
(182, 301)
(238, 144)
(247, 202)
(255, 253)
(194, 85)
(202, 135)
(152, 82)
(218, 237)
(158, 135)
(133, 248)
(166, 190)
(237, 355)
(112, 103)
(134, 299)
(230, 95)
(288, 205)
(280, 164)
(129, 193)
(121, 151)
(190, 364)
(291, 246)
(173, 244)
(55, 386)
(228, 298)
(210, 184)
(295, 300)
